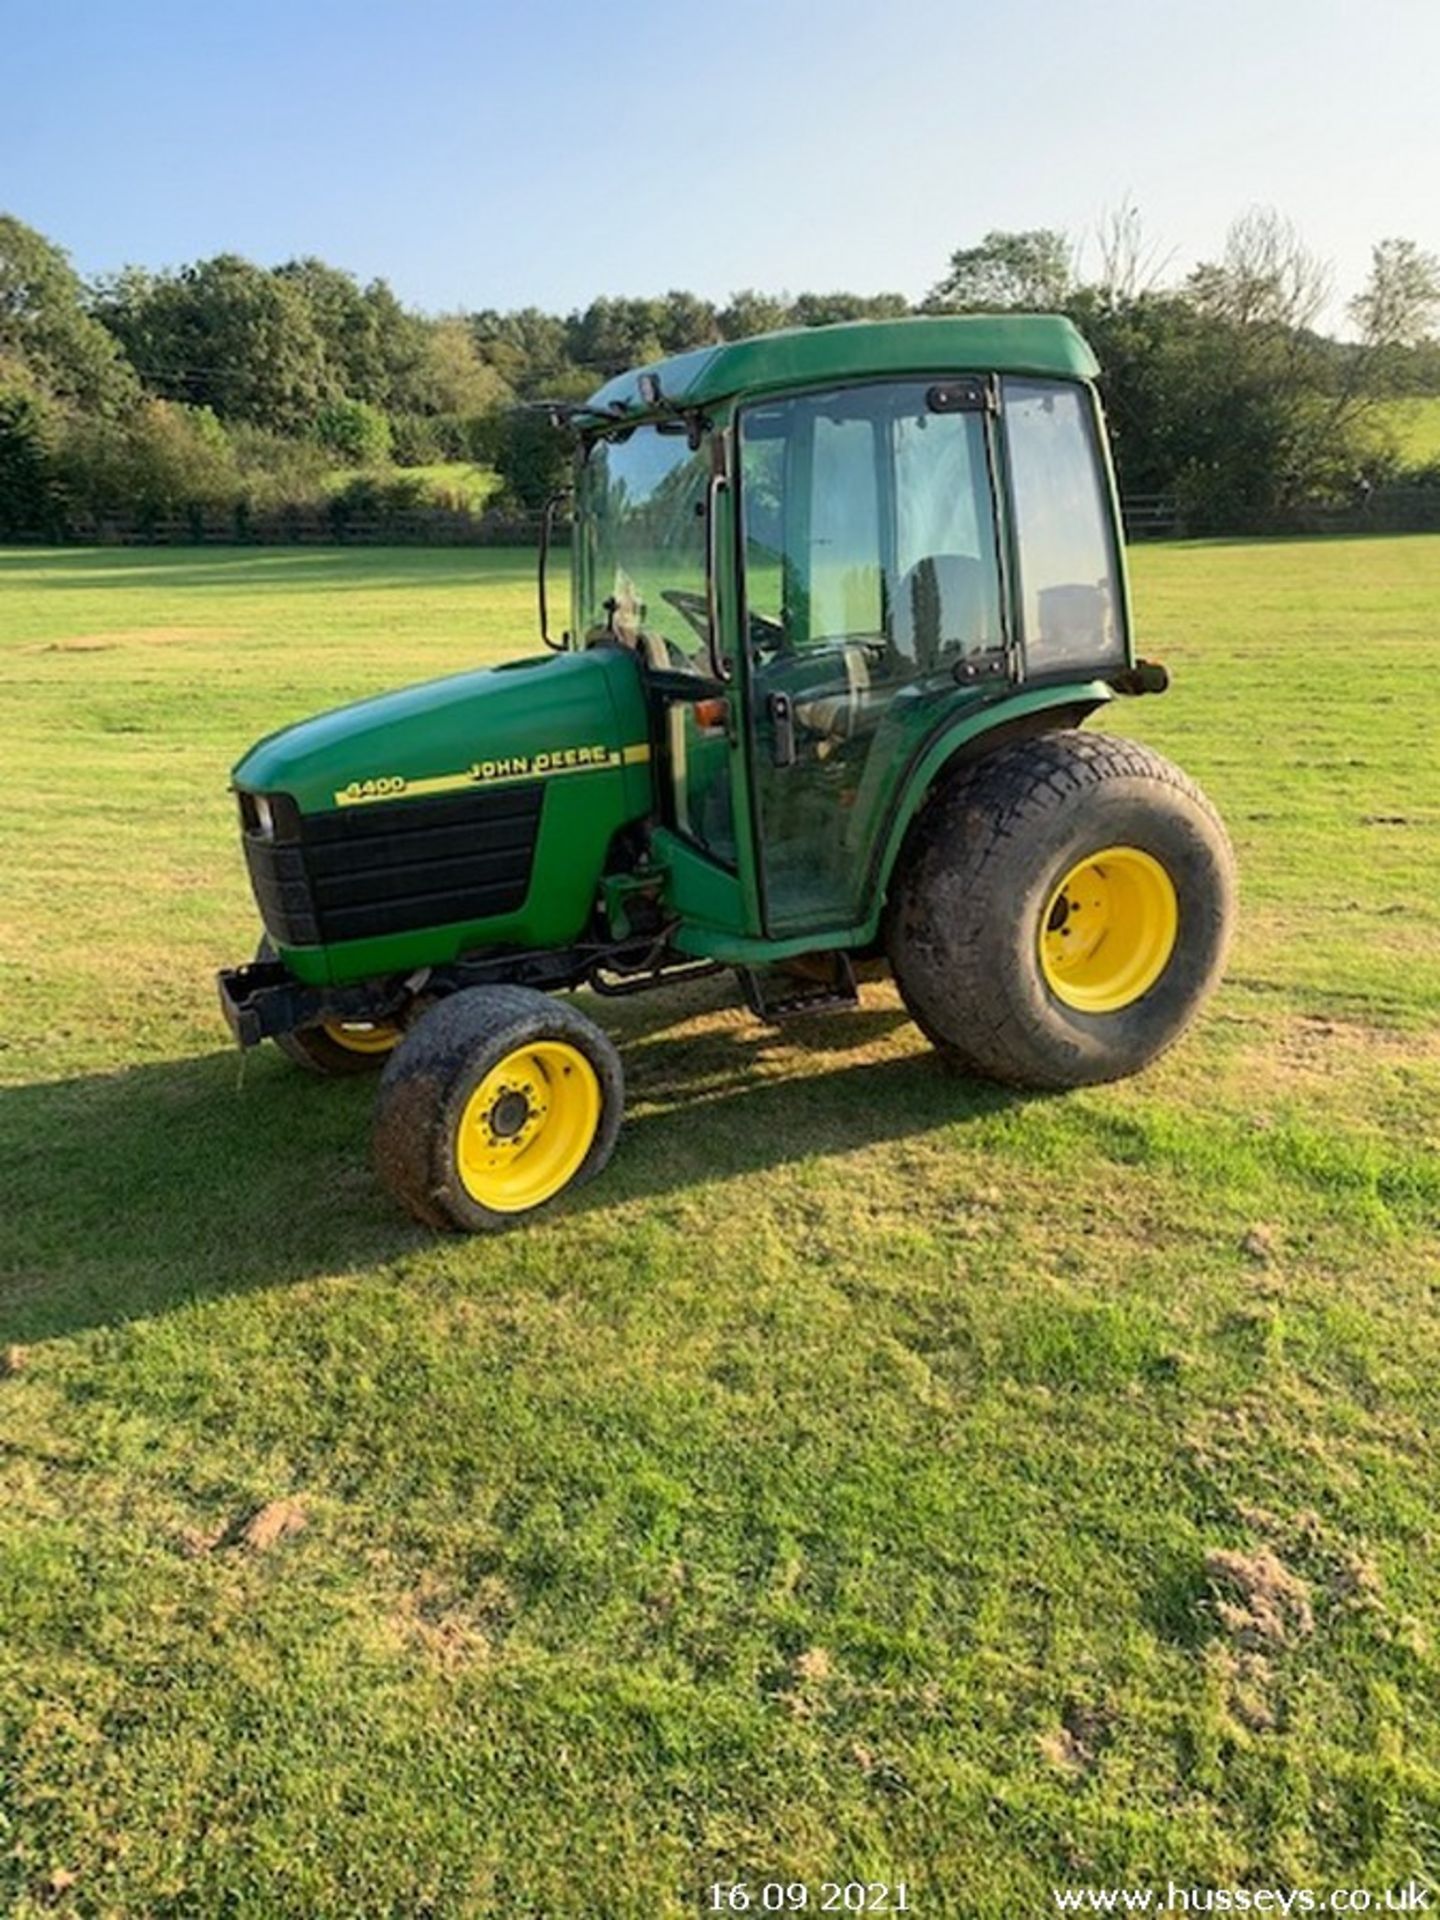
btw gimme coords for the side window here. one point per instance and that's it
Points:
(946, 580)
(1069, 589)
(765, 520)
(935, 487)
(844, 570)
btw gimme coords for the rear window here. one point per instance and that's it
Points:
(1071, 610)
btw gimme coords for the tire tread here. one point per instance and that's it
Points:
(968, 833)
(412, 1135)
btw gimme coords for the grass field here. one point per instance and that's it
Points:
(874, 1476)
(1415, 424)
(446, 483)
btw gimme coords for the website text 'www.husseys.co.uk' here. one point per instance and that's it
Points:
(1172, 1898)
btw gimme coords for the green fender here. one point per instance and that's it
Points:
(972, 727)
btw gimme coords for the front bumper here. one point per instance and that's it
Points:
(263, 999)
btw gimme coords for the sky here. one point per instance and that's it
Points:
(482, 154)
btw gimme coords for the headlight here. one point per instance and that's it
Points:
(264, 818)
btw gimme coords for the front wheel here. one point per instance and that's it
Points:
(495, 1103)
(337, 1049)
(1062, 910)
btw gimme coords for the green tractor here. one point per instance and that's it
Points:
(842, 600)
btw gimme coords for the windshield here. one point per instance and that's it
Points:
(641, 527)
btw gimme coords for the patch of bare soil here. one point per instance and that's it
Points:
(1258, 1600)
(1312, 1049)
(270, 1524)
(130, 637)
(1246, 1678)
(1260, 1244)
(1062, 1751)
(452, 1629)
(257, 1531)
(810, 1674)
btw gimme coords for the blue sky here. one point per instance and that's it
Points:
(490, 155)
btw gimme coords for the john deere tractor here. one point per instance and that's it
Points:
(842, 602)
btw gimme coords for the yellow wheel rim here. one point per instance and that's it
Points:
(1108, 930)
(528, 1126)
(361, 1036)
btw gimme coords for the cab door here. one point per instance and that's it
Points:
(873, 594)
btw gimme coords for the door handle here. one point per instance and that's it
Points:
(719, 665)
(782, 719)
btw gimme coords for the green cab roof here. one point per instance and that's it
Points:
(1042, 343)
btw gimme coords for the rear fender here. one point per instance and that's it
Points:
(972, 735)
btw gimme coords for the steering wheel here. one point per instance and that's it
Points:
(694, 606)
(766, 635)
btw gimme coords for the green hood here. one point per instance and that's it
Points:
(413, 740)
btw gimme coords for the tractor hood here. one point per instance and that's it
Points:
(558, 714)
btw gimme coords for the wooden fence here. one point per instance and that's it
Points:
(333, 525)
(1147, 516)
(1397, 509)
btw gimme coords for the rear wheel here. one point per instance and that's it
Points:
(1062, 910)
(499, 1100)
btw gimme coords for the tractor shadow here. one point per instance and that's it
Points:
(130, 1194)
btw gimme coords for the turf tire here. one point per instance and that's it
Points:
(964, 918)
(428, 1081)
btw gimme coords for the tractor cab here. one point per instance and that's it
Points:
(817, 574)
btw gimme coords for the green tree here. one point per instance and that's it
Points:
(46, 330)
(228, 335)
(749, 312)
(529, 350)
(354, 431)
(357, 327)
(532, 458)
(451, 376)
(612, 335)
(29, 433)
(1400, 302)
(1232, 417)
(163, 460)
(1028, 271)
(824, 309)
(687, 321)
(277, 469)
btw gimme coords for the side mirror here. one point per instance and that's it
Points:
(547, 522)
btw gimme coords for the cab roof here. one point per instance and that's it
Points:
(1042, 343)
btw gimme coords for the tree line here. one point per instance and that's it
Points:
(225, 386)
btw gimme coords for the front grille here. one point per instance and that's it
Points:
(397, 866)
(282, 891)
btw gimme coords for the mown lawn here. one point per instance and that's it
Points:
(1415, 425)
(446, 483)
(874, 1476)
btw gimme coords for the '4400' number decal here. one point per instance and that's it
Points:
(381, 788)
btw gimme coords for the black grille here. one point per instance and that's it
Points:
(282, 892)
(397, 866)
